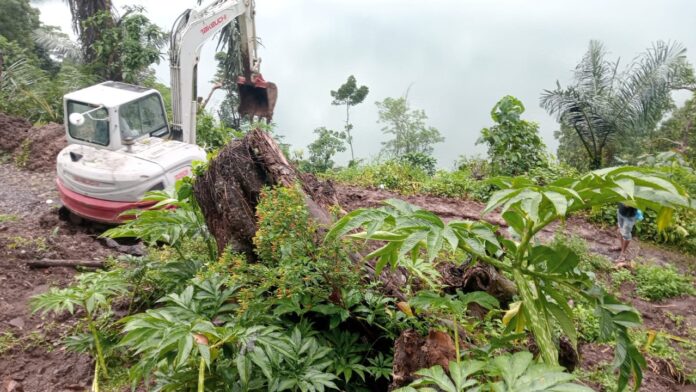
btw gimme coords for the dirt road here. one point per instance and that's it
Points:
(30, 349)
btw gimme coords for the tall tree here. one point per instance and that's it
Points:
(514, 145)
(349, 94)
(127, 44)
(411, 134)
(83, 10)
(604, 104)
(322, 150)
(17, 20)
(678, 132)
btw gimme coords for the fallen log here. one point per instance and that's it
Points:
(46, 263)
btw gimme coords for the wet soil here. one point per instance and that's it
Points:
(32, 148)
(659, 316)
(31, 357)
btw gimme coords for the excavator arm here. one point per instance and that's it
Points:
(190, 31)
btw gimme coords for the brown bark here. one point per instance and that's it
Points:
(65, 263)
(230, 189)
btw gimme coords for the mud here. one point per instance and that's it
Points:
(32, 148)
(31, 357)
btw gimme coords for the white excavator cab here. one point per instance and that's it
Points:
(118, 149)
(108, 114)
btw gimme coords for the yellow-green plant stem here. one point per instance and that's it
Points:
(95, 381)
(201, 376)
(539, 327)
(456, 339)
(97, 344)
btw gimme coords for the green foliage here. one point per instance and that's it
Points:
(182, 337)
(420, 161)
(212, 134)
(406, 179)
(514, 145)
(655, 282)
(683, 227)
(545, 277)
(411, 134)
(506, 373)
(17, 20)
(28, 91)
(589, 261)
(322, 150)
(125, 47)
(93, 292)
(349, 94)
(301, 368)
(174, 217)
(678, 132)
(613, 110)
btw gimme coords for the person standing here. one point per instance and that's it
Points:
(626, 218)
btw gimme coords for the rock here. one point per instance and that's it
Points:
(17, 322)
(11, 385)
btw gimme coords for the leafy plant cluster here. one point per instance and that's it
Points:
(39, 64)
(196, 321)
(514, 145)
(656, 282)
(405, 178)
(545, 277)
(211, 133)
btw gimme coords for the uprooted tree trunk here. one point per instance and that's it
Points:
(230, 189)
(229, 192)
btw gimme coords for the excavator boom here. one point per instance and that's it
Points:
(191, 30)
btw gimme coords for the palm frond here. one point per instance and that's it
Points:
(57, 44)
(644, 93)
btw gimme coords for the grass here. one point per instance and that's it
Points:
(589, 261)
(602, 374)
(27, 243)
(4, 218)
(408, 180)
(22, 158)
(8, 341)
(654, 282)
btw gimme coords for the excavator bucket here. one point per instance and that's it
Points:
(257, 98)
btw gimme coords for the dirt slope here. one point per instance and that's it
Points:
(32, 148)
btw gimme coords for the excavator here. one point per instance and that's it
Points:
(120, 144)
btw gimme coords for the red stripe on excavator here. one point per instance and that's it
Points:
(105, 211)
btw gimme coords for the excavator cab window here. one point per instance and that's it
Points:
(145, 116)
(95, 129)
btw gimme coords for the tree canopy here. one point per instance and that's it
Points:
(604, 104)
(411, 134)
(514, 145)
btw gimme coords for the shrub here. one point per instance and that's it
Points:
(514, 145)
(656, 282)
(408, 180)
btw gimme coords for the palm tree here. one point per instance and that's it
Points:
(604, 104)
(82, 10)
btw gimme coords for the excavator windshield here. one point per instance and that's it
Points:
(95, 128)
(144, 116)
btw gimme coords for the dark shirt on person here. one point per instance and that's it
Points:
(628, 212)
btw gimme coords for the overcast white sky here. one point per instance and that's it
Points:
(458, 56)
